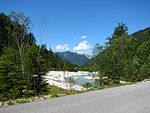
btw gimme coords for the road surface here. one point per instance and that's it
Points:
(125, 99)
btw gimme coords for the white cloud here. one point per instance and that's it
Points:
(82, 47)
(52, 48)
(62, 47)
(83, 37)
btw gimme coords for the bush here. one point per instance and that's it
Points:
(87, 85)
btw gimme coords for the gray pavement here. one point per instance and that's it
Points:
(125, 99)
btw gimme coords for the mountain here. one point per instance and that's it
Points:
(74, 58)
(139, 35)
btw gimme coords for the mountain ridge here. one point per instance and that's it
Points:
(75, 58)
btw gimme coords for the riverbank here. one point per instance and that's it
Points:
(57, 78)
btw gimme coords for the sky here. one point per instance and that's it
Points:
(76, 25)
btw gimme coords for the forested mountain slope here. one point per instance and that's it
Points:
(22, 61)
(123, 57)
(74, 58)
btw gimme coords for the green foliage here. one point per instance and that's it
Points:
(22, 62)
(12, 83)
(87, 85)
(54, 91)
(98, 87)
(71, 81)
(124, 57)
(145, 68)
(5, 32)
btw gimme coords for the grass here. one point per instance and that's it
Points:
(54, 92)
(106, 86)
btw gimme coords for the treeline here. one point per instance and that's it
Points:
(123, 58)
(22, 61)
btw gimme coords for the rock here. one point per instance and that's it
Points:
(1, 104)
(5, 104)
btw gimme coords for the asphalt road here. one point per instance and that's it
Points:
(125, 99)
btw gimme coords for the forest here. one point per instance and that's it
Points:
(22, 61)
(123, 57)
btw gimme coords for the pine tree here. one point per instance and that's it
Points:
(12, 83)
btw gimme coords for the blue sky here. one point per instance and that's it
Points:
(76, 25)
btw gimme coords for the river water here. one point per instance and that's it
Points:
(83, 78)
